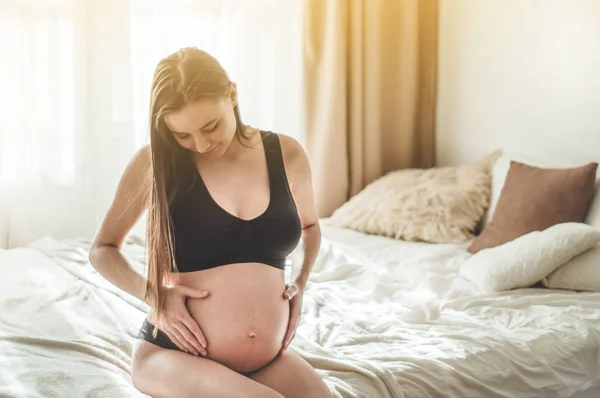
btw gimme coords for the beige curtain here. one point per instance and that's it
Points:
(370, 81)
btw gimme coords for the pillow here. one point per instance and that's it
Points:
(500, 170)
(528, 259)
(593, 217)
(533, 199)
(580, 273)
(432, 205)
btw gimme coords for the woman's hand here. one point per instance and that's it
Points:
(177, 322)
(294, 294)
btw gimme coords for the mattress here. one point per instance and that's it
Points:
(381, 318)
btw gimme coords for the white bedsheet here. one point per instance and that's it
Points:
(381, 318)
(64, 331)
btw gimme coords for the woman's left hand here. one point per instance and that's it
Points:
(293, 293)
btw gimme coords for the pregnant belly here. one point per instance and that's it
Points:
(245, 317)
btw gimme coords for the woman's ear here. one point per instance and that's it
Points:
(233, 95)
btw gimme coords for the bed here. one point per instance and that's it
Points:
(382, 318)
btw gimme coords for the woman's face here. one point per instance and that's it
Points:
(206, 127)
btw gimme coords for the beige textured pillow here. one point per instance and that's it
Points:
(438, 205)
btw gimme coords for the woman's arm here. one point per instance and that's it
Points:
(300, 180)
(311, 238)
(128, 205)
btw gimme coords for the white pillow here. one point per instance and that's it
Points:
(529, 258)
(500, 170)
(580, 273)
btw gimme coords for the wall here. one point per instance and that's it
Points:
(520, 75)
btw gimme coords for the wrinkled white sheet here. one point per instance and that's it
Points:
(64, 331)
(394, 319)
(381, 318)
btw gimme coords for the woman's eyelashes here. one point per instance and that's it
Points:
(213, 128)
(186, 136)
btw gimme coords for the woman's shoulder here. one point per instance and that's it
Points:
(138, 171)
(294, 157)
(292, 151)
(142, 160)
(290, 147)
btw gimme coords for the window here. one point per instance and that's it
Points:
(76, 78)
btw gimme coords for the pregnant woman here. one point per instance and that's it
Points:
(226, 204)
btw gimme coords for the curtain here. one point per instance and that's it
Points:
(369, 83)
(76, 77)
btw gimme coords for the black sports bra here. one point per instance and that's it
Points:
(207, 236)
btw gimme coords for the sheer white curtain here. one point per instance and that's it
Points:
(76, 75)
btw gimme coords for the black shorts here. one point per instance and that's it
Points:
(161, 339)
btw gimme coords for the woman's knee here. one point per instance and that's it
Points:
(266, 394)
(141, 373)
(293, 377)
(138, 377)
(317, 390)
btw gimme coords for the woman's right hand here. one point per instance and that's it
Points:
(177, 322)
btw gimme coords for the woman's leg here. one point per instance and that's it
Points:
(293, 377)
(164, 373)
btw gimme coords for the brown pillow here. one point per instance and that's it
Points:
(534, 199)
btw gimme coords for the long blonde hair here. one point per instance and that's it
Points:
(183, 77)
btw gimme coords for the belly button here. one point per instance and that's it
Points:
(252, 335)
